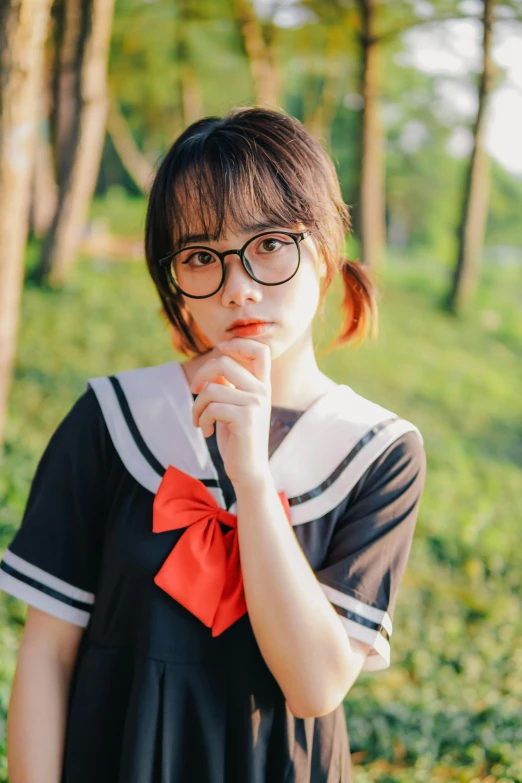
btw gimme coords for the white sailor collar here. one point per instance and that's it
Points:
(148, 412)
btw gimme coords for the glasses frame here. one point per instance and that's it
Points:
(164, 263)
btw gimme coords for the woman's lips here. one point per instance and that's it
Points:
(251, 330)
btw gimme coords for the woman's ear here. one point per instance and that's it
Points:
(322, 268)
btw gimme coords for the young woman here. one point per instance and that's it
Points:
(211, 549)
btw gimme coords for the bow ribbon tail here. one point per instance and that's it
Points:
(232, 605)
(194, 573)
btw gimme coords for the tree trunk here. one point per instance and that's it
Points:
(81, 113)
(371, 207)
(132, 158)
(23, 28)
(260, 54)
(473, 218)
(318, 120)
(44, 192)
(190, 94)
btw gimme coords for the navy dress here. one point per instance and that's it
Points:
(154, 697)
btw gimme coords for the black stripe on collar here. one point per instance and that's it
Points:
(295, 501)
(137, 436)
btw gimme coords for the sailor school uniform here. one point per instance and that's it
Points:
(130, 531)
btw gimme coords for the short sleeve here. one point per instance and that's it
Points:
(371, 543)
(53, 560)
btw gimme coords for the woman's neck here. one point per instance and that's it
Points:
(297, 382)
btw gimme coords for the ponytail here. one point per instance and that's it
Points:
(359, 304)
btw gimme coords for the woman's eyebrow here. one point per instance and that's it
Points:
(251, 227)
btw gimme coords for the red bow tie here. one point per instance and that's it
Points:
(203, 571)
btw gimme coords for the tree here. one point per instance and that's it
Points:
(372, 221)
(43, 182)
(260, 52)
(80, 113)
(190, 96)
(23, 28)
(134, 161)
(374, 24)
(476, 191)
(320, 105)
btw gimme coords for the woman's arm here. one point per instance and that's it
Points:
(38, 705)
(297, 629)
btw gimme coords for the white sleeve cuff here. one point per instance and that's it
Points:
(366, 624)
(37, 587)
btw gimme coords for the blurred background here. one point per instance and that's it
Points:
(420, 105)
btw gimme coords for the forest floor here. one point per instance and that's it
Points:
(448, 708)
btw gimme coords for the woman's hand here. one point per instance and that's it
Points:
(234, 391)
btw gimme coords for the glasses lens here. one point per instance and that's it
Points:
(197, 271)
(272, 258)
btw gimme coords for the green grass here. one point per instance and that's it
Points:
(448, 709)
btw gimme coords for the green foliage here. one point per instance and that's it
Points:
(153, 41)
(448, 708)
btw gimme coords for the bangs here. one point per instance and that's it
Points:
(221, 187)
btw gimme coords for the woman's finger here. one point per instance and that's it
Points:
(214, 392)
(224, 412)
(226, 370)
(255, 356)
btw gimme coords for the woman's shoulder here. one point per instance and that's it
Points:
(80, 420)
(142, 377)
(398, 445)
(146, 410)
(85, 412)
(82, 435)
(345, 404)
(394, 439)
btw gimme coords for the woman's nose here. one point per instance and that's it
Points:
(238, 285)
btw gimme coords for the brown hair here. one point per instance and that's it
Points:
(222, 172)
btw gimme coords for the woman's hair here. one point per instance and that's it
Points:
(223, 173)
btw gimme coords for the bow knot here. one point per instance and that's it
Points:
(202, 572)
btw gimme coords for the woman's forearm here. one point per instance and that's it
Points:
(298, 631)
(37, 718)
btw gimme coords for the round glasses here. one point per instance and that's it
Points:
(270, 258)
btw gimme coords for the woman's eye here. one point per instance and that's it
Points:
(270, 244)
(200, 259)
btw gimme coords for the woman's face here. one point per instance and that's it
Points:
(288, 308)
